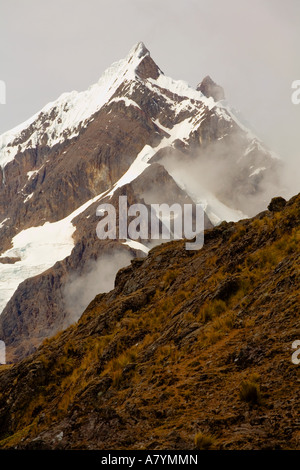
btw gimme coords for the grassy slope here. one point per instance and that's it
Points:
(191, 349)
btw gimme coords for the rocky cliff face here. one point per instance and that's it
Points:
(58, 166)
(190, 350)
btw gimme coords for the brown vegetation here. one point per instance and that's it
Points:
(191, 350)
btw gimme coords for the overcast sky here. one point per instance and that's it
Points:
(250, 47)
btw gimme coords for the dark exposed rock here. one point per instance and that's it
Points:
(9, 260)
(277, 204)
(210, 89)
(148, 69)
(227, 288)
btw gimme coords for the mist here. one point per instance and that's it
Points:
(218, 177)
(98, 277)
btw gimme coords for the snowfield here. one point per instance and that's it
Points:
(39, 249)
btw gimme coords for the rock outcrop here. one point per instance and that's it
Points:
(210, 89)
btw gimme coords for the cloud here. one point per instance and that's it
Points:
(98, 277)
(217, 176)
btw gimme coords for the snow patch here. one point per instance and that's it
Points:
(257, 171)
(39, 249)
(183, 89)
(3, 222)
(136, 245)
(135, 169)
(180, 131)
(30, 174)
(127, 101)
(28, 197)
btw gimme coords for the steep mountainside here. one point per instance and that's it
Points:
(192, 349)
(90, 147)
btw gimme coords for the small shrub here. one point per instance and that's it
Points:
(170, 276)
(224, 323)
(167, 353)
(167, 305)
(180, 296)
(239, 232)
(250, 392)
(203, 441)
(192, 282)
(122, 361)
(212, 337)
(189, 317)
(117, 379)
(214, 308)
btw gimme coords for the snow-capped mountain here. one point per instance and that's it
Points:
(135, 132)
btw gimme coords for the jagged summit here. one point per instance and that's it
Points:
(210, 89)
(146, 68)
(140, 50)
(65, 117)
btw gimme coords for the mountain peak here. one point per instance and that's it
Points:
(210, 89)
(146, 68)
(139, 50)
(101, 143)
